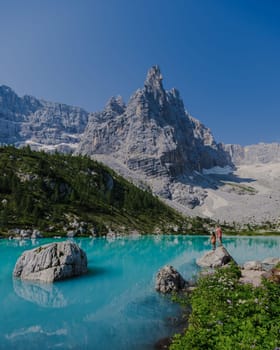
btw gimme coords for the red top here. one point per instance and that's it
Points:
(219, 232)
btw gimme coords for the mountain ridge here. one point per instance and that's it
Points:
(152, 140)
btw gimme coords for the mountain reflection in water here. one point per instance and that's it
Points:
(43, 294)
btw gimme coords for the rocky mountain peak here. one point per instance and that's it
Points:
(154, 77)
(115, 104)
(155, 138)
(42, 124)
(9, 101)
(5, 89)
(174, 93)
(153, 83)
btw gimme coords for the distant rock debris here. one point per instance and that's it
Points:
(169, 280)
(215, 258)
(51, 262)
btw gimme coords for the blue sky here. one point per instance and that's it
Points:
(222, 55)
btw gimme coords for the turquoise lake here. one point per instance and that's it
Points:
(115, 306)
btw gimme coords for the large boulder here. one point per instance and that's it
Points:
(51, 262)
(169, 280)
(215, 258)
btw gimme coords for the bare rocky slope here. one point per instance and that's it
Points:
(250, 194)
(156, 144)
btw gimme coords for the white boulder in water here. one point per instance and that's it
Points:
(51, 262)
(215, 258)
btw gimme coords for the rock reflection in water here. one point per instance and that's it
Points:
(46, 295)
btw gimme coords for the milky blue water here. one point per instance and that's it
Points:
(115, 306)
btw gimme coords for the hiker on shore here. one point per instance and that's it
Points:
(219, 234)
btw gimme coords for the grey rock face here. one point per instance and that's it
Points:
(39, 123)
(169, 280)
(153, 133)
(261, 153)
(215, 258)
(51, 262)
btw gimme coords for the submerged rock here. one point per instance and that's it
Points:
(169, 280)
(51, 262)
(215, 258)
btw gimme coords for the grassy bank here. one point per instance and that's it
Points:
(227, 315)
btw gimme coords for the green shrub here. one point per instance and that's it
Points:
(227, 315)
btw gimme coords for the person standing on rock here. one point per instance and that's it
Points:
(219, 234)
(213, 240)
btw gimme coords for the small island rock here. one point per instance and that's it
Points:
(51, 262)
(169, 280)
(215, 258)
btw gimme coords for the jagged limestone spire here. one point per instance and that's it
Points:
(153, 85)
(153, 80)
